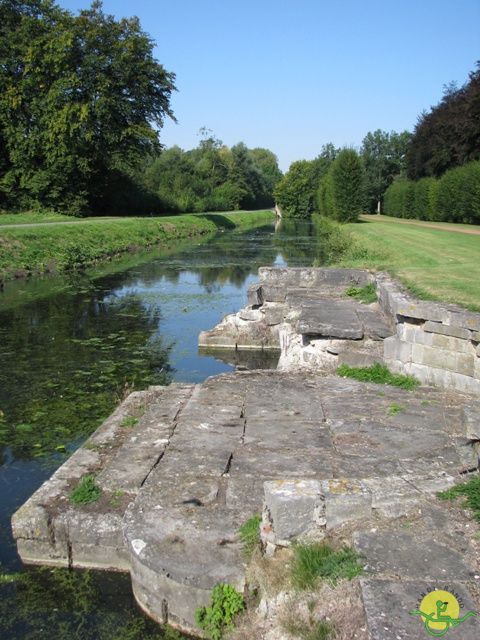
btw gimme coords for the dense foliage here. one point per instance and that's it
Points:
(449, 134)
(213, 177)
(81, 100)
(296, 193)
(341, 192)
(455, 197)
(384, 158)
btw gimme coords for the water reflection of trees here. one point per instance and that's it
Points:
(46, 603)
(66, 362)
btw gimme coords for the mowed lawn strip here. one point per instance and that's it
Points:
(435, 263)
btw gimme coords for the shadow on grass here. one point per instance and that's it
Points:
(219, 220)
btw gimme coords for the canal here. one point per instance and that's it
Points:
(70, 349)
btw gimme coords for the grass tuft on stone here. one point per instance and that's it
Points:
(380, 374)
(249, 534)
(86, 491)
(470, 491)
(366, 294)
(129, 422)
(395, 408)
(315, 561)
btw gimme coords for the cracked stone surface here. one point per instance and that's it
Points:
(192, 470)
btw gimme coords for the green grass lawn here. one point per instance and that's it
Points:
(26, 250)
(434, 263)
(373, 217)
(33, 218)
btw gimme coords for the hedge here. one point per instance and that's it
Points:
(454, 197)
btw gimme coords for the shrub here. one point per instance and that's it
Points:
(423, 200)
(347, 185)
(394, 200)
(219, 616)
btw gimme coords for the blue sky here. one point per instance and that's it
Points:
(291, 75)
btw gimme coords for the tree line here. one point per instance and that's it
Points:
(342, 183)
(213, 177)
(432, 173)
(82, 101)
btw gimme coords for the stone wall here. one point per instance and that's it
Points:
(437, 343)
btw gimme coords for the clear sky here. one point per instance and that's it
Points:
(291, 75)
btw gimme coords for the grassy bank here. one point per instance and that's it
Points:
(437, 264)
(45, 248)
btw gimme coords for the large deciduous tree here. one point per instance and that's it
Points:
(448, 135)
(81, 102)
(384, 158)
(296, 192)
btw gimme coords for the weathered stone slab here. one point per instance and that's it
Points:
(295, 507)
(388, 603)
(331, 318)
(471, 420)
(404, 555)
(345, 501)
(274, 314)
(374, 326)
(447, 330)
(255, 295)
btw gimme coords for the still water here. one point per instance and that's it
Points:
(70, 349)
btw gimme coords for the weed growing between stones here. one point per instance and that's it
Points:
(395, 408)
(366, 294)
(470, 491)
(249, 534)
(129, 422)
(116, 498)
(379, 374)
(86, 491)
(219, 616)
(316, 561)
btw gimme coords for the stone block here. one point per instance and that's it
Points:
(476, 336)
(331, 318)
(397, 350)
(273, 293)
(465, 364)
(465, 319)
(421, 309)
(250, 315)
(471, 420)
(374, 325)
(447, 330)
(392, 498)
(345, 501)
(255, 295)
(450, 343)
(295, 507)
(433, 357)
(358, 358)
(274, 314)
